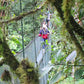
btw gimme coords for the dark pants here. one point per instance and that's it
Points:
(44, 43)
(48, 22)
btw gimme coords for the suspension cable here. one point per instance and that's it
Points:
(22, 30)
(34, 38)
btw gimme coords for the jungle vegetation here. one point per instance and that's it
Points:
(67, 56)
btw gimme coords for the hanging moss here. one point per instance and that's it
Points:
(66, 7)
(6, 76)
(27, 73)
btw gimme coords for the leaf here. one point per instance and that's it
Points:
(41, 16)
(51, 46)
(71, 56)
(53, 60)
(12, 45)
(58, 53)
(1, 35)
(45, 70)
(13, 0)
(78, 74)
(56, 77)
(13, 52)
(47, 42)
(14, 15)
(16, 41)
(62, 58)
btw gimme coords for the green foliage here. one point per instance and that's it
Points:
(71, 57)
(56, 77)
(27, 73)
(79, 74)
(29, 23)
(81, 13)
(62, 47)
(1, 50)
(46, 69)
(81, 9)
(67, 5)
(70, 80)
(1, 34)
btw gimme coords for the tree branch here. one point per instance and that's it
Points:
(24, 14)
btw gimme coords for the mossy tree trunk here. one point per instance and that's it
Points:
(24, 71)
(27, 75)
(69, 22)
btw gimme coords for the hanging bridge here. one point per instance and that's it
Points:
(35, 54)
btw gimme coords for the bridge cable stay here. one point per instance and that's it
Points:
(22, 31)
(34, 37)
(23, 34)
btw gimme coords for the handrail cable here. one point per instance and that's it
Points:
(22, 30)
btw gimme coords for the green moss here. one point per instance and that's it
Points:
(1, 49)
(27, 73)
(66, 7)
(9, 57)
(1, 34)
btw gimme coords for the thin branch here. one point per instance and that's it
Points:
(24, 14)
(63, 78)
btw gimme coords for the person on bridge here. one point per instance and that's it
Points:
(44, 24)
(48, 18)
(44, 33)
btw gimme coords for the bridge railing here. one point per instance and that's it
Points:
(42, 57)
(44, 61)
(31, 51)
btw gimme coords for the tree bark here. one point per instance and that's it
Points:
(9, 57)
